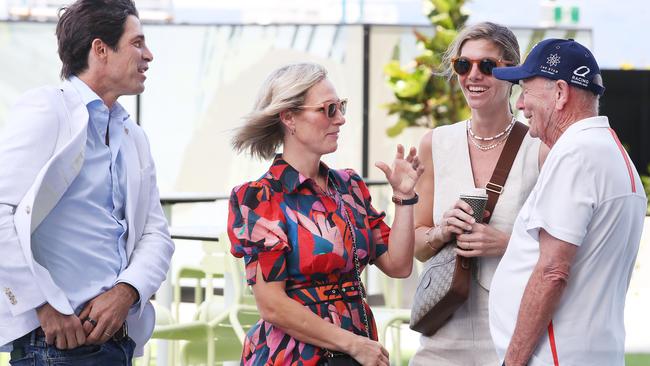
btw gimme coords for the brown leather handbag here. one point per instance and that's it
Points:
(445, 280)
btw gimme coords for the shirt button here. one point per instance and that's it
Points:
(28, 209)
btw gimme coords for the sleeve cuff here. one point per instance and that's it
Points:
(559, 233)
(139, 305)
(137, 292)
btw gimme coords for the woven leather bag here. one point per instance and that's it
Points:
(443, 287)
(445, 280)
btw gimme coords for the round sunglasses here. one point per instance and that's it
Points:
(329, 107)
(463, 65)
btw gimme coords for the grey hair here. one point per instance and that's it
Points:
(284, 89)
(500, 35)
(586, 100)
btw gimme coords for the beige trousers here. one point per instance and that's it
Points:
(464, 340)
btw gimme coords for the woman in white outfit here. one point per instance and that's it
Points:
(462, 156)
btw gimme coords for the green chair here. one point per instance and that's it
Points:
(4, 358)
(192, 272)
(163, 318)
(396, 317)
(637, 359)
(217, 332)
(391, 317)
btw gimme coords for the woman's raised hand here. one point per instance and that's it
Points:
(404, 172)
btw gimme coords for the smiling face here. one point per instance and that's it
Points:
(125, 67)
(480, 90)
(538, 103)
(314, 132)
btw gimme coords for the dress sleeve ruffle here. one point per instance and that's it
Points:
(257, 231)
(380, 231)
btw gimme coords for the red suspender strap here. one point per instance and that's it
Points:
(627, 160)
(551, 333)
(551, 339)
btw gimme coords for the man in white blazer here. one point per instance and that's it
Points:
(83, 240)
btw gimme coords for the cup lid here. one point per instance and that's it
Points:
(474, 192)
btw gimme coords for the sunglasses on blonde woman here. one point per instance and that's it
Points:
(463, 65)
(329, 107)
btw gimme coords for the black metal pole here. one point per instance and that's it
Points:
(137, 109)
(366, 101)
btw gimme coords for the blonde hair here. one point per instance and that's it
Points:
(284, 89)
(501, 36)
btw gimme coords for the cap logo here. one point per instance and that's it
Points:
(581, 71)
(553, 60)
(578, 76)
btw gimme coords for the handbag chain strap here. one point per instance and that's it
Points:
(357, 266)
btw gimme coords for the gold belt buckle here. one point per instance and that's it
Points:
(494, 188)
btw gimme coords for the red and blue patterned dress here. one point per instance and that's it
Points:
(297, 233)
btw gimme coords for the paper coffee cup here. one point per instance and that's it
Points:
(477, 198)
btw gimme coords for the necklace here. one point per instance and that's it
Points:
(507, 130)
(488, 147)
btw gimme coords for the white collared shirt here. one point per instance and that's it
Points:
(590, 195)
(82, 241)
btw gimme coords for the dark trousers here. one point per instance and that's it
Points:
(32, 350)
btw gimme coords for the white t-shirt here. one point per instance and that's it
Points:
(588, 194)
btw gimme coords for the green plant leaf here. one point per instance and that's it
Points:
(407, 87)
(394, 70)
(428, 58)
(443, 38)
(397, 128)
(396, 52)
(422, 98)
(443, 20)
(442, 6)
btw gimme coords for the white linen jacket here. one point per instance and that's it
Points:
(41, 153)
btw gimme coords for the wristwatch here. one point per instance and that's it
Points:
(403, 202)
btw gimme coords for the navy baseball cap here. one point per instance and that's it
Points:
(557, 59)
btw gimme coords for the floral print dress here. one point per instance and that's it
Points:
(297, 233)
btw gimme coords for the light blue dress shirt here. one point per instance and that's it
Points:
(82, 242)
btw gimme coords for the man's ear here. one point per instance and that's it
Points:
(561, 94)
(98, 49)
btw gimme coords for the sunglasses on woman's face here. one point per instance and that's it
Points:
(463, 65)
(330, 107)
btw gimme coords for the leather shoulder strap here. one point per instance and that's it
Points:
(495, 185)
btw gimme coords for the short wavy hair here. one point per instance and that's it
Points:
(284, 89)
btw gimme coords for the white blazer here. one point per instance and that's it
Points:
(41, 153)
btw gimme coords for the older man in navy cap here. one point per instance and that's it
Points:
(558, 295)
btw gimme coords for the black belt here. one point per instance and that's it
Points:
(317, 294)
(121, 334)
